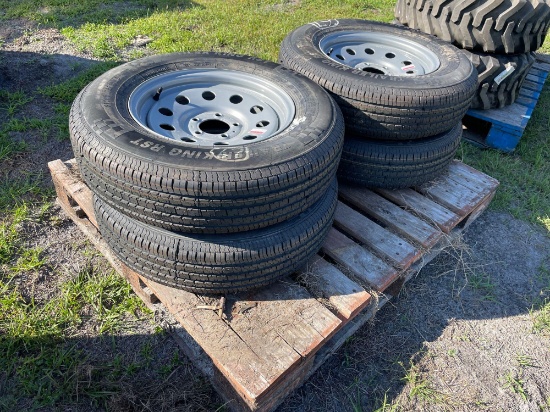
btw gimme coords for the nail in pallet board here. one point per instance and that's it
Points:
(268, 342)
(502, 128)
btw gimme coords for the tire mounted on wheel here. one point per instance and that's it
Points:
(390, 82)
(206, 142)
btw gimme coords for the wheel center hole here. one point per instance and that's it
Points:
(214, 126)
(373, 70)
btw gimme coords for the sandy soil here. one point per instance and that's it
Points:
(459, 345)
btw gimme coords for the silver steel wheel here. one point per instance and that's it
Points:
(212, 107)
(380, 53)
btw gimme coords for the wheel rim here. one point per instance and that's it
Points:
(379, 53)
(211, 107)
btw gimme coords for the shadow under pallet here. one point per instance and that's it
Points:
(503, 128)
(267, 342)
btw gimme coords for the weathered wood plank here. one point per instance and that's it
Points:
(473, 175)
(538, 72)
(511, 117)
(281, 302)
(71, 188)
(526, 101)
(286, 325)
(401, 221)
(472, 178)
(422, 206)
(389, 246)
(252, 372)
(480, 208)
(324, 280)
(536, 76)
(532, 83)
(365, 266)
(452, 194)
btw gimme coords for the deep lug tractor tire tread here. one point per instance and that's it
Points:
(220, 263)
(180, 214)
(364, 95)
(114, 146)
(490, 26)
(397, 164)
(496, 89)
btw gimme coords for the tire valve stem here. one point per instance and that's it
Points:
(156, 97)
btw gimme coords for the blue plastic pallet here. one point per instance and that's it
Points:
(502, 128)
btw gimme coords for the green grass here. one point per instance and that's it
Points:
(483, 284)
(525, 361)
(38, 355)
(420, 388)
(29, 188)
(30, 260)
(540, 311)
(9, 236)
(40, 361)
(386, 405)
(62, 12)
(540, 314)
(10, 105)
(65, 92)
(516, 385)
(13, 102)
(248, 27)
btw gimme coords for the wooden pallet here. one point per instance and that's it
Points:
(502, 128)
(269, 342)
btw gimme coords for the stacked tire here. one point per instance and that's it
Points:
(211, 172)
(498, 36)
(403, 95)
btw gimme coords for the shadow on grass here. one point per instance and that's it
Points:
(111, 372)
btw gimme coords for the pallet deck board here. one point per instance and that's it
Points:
(459, 189)
(269, 341)
(424, 207)
(391, 215)
(326, 281)
(503, 128)
(364, 265)
(400, 252)
(269, 347)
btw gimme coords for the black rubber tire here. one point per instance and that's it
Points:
(218, 263)
(383, 106)
(195, 215)
(395, 165)
(245, 184)
(491, 26)
(500, 77)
